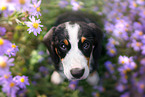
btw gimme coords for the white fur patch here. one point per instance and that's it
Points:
(74, 58)
(56, 78)
(93, 79)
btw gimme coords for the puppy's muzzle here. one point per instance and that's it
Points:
(77, 72)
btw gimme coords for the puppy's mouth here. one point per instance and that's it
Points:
(77, 78)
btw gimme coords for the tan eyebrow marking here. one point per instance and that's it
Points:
(62, 59)
(65, 42)
(56, 51)
(83, 39)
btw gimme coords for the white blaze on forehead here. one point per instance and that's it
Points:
(73, 30)
(74, 58)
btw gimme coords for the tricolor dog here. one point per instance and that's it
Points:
(74, 44)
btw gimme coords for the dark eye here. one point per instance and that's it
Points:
(63, 46)
(86, 45)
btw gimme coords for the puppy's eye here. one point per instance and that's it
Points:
(86, 45)
(63, 46)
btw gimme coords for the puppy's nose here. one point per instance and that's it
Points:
(77, 72)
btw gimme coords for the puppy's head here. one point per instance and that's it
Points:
(73, 44)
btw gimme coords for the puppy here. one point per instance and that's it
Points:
(74, 43)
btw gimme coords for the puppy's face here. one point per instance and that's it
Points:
(73, 44)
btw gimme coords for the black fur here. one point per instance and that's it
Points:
(48, 41)
(76, 17)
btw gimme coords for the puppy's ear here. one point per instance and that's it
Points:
(48, 40)
(97, 43)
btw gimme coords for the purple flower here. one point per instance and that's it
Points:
(41, 52)
(99, 88)
(109, 27)
(75, 4)
(34, 83)
(22, 93)
(7, 5)
(137, 35)
(4, 9)
(63, 3)
(142, 70)
(22, 81)
(109, 66)
(130, 66)
(142, 13)
(113, 41)
(12, 50)
(122, 70)
(35, 8)
(120, 87)
(132, 5)
(5, 78)
(126, 94)
(10, 88)
(109, 45)
(142, 62)
(120, 30)
(125, 36)
(123, 60)
(95, 94)
(22, 5)
(136, 45)
(140, 2)
(127, 64)
(143, 50)
(143, 39)
(5, 63)
(34, 26)
(123, 6)
(123, 79)
(44, 70)
(2, 31)
(73, 84)
(140, 86)
(4, 45)
(112, 52)
(137, 26)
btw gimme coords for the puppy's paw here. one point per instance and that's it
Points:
(56, 78)
(93, 78)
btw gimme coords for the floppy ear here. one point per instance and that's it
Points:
(49, 42)
(97, 43)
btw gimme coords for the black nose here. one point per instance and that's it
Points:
(77, 72)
